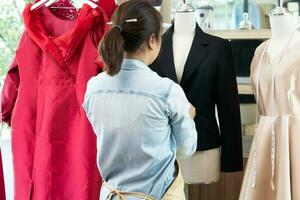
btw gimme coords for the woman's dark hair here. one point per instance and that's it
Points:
(133, 23)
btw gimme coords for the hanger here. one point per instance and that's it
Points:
(38, 4)
(48, 3)
(92, 3)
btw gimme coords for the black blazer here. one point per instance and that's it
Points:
(208, 80)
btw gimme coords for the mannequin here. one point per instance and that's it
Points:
(203, 166)
(271, 169)
(184, 32)
(283, 27)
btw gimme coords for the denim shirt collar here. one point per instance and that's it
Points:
(134, 64)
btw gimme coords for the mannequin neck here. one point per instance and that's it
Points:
(185, 23)
(282, 26)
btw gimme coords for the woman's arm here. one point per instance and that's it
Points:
(181, 114)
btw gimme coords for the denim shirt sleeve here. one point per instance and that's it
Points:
(183, 126)
(86, 106)
(86, 101)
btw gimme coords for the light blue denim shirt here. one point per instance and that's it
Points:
(142, 124)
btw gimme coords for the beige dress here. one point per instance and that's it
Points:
(273, 168)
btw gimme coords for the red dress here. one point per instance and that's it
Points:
(53, 144)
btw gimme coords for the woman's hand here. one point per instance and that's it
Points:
(192, 111)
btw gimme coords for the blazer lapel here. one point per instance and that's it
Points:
(166, 56)
(196, 55)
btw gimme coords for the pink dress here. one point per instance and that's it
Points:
(272, 171)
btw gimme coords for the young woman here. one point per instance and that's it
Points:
(142, 121)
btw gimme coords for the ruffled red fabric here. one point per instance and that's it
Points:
(62, 48)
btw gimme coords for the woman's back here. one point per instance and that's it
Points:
(130, 114)
(142, 121)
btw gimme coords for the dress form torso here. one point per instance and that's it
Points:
(271, 169)
(283, 29)
(284, 36)
(203, 166)
(182, 40)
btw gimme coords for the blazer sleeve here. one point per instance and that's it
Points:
(10, 88)
(229, 112)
